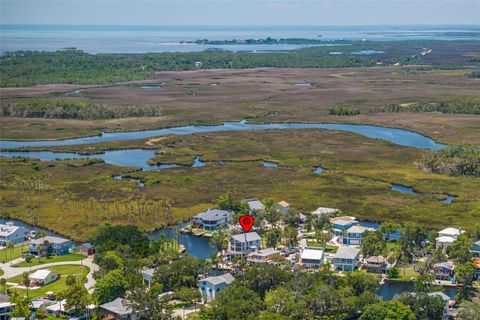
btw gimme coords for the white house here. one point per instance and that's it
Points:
(117, 309)
(12, 234)
(354, 235)
(264, 255)
(213, 219)
(346, 259)
(312, 258)
(244, 243)
(323, 210)
(42, 277)
(211, 286)
(254, 204)
(446, 237)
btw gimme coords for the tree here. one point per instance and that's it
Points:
(113, 285)
(10, 248)
(393, 273)
(146, 304)
(263, 277)
(322, 236)
(324, 301)
(470, 310)
(273, 237)
(22, 306)
(390, 310)
(424, 283)
(77, 298)
(291, 217)
(290, 235)
(180, 273)
(219, 241)
(423, 305)
(282, 301)
(363, 282)
(459, 251)
(412, 240)
(188, 295)
(234, 303)
(388, 228)
(26, 281)
(373, 244)
(465, 274)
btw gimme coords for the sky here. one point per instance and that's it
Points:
(234, 12)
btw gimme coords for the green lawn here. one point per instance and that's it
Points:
(56, 286)
(392, 245)
(9, 255)
(43, 260)
(406, 273)
(328, 248)
(1, 272)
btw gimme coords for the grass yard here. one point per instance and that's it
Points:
(1, 272)
(9, 255)
(56, 286)
(44, 260)
(328, 248)
(406, 273)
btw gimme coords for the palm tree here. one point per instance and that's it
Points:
(3, 283)
(10, 247)
(26, 281)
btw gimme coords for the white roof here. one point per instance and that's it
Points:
(213, 214)
(324, 210)
(6, 230)
(224, 278)
(451, 232)
(41, 274)
(445, 239)
(440, 294)
(347, 253)
(255, 204)
(342, 222)
(118, 306)
(251, 236)
(264, 252)
(312, 254)
(148, 272)
(357, 229)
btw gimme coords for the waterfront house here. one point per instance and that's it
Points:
(254, 204)
(312, 258)
(86, 249)
(346, 259)
(11, 234)
(320, 211)
(147, 275)
(444, 270)
(447, 301)
(354, 235)
(211, 286)
(117, 309)
(244, 243)
(283, 206)
(376, 264)
(50, 245)
(42, 277)
(475, 249)
(446, 237)
(5, 309)
(264, 256)
(213, 219)
(342, 224)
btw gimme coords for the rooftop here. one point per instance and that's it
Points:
(449, 265)
(243, 237)
(118, 306)
(284, 204)
(440, 294)
(213, 214)
(6, 230)
(324, 210)
(40, 274)
(50, 239)
(451, 231)
(347, 253)
(312, 253)
(148, 272)
(264, 252)
(255, 204)
(224, 278)
(344, 222)
(376, 259)
(357, 229)
(445, 239)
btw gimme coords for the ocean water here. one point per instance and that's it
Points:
(139, 39)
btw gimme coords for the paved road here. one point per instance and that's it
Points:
(10, 272)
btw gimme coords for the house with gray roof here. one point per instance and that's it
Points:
(11, 234)
(50, 245)
(354, 235)
(254, 204)
(211, 286)
(346, 259)
(244, 243)
(117, 309)
(213, 219)
(264, 256)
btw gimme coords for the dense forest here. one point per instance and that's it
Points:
(465, 105)
(62, 109)
(454, 161)
(343, 111)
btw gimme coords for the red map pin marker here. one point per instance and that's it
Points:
(246, 222)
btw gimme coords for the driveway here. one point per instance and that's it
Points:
(10, 272)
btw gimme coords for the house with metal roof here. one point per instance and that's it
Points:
(50, 245)
(254, 204)
(244, 243)
(312, 258)
(213, 219)
(283, 206)
(42, 277)
(211, 286)
(376, 264)
(320, 211)
(446, 237)
(346, 258)
(264, 256)
(117, 309)
(12, 234)
(354, 235)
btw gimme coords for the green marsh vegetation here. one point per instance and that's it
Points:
(454, 161)
(463, 105)
(357, 181)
